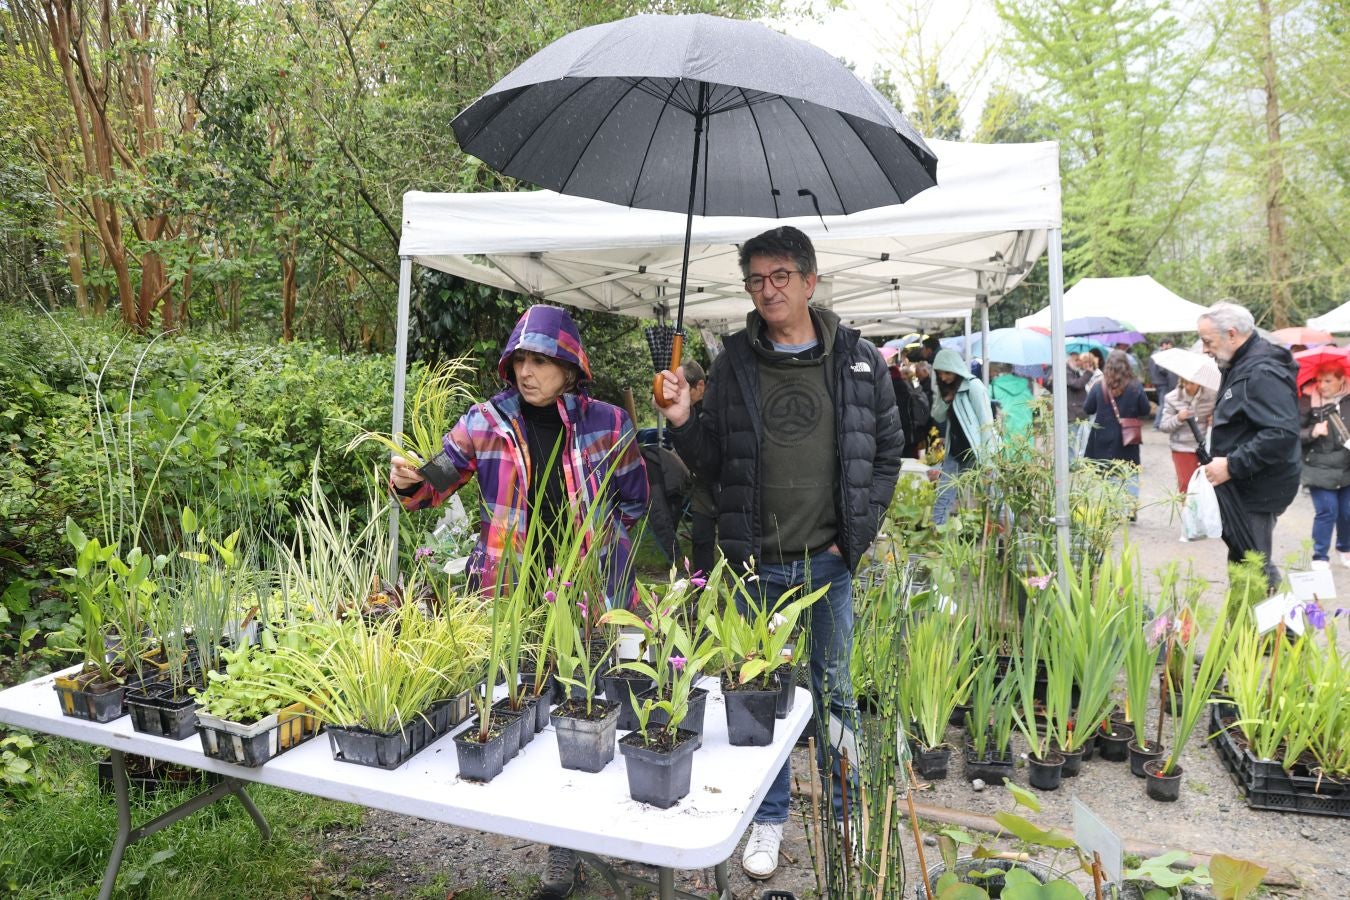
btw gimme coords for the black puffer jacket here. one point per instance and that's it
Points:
(1256, 426)
(723, 442)
(1326, 461)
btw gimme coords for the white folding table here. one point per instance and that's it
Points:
(533, 798)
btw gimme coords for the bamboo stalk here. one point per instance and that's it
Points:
(843, 788)
(918, 838)
(815, 820)
(885, 842)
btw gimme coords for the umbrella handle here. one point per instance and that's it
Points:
(1200, 452)
(659, 383)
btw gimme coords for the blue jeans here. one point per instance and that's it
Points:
(946, 492)
(830, 621)
(1331, 513)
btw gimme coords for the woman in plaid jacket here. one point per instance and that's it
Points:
(597, 479)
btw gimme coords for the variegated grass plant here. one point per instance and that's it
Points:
(442, 393)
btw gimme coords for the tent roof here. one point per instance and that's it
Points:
(1337, 321)
(1138, 300)
(973, 237)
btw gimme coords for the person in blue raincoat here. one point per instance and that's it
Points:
(962, 412)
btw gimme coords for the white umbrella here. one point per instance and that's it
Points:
(1192, 366)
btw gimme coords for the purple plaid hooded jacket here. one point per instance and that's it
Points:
(489, 441)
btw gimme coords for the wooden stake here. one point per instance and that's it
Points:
(1274, 663)
(918, 838)
(1097, 874)
(815, 820)
(885, 842)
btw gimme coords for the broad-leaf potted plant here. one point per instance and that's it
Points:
(586, 726)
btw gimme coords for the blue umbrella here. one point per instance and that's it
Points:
(1093, 325)
(1082, 345)
(1019, 346)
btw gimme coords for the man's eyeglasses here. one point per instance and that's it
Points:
(779, 279)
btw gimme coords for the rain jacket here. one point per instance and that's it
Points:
(1014, 395)
(970, 405)
(1105, 441)
(1326, 462)
(489, 441)
(1256, 426)
(722, 443)
(1182, 440)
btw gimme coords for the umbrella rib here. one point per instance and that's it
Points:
(520, 146)
(646, 154)
(591, 139)
(828, 173)
(773, 195)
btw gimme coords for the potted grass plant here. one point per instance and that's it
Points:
(1092, 621)
(988, 752)
(586, 726)
(940, 650)
(1045, 764)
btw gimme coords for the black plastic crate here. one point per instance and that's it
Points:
(1307, 804)
(255, 744)
(383, 750)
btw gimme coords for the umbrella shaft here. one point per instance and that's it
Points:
(689, 215)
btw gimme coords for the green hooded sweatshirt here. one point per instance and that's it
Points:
(971, 405)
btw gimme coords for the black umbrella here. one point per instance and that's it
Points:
(1237, 530)
(698, 114)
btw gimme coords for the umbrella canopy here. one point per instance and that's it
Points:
(1018, 346)
(1084, 344)
(1111, 338)
(1192, 366)
(1094, 325)
(1301, 334)
(1310, 361)
(698, 114)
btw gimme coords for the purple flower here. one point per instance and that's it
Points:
(698, 581)
(581, 604)
(423, 553)
(686, 564)
(549, 572)
(647, 623)
(1041, 582)
(677, 663)
(1317, 618)
(550, 596)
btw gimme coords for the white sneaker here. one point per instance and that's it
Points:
(760, 859)
(1320, 565)
(1345, 560)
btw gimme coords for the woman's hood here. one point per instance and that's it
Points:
(948, 360)
(550, 331)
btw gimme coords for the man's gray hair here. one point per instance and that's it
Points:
(1225, 315)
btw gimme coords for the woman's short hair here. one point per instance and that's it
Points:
(1117, 372)
(1331, 368)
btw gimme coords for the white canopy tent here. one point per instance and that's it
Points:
(1139, 300)
(960, 246)
(952, 248)
(1337, 321)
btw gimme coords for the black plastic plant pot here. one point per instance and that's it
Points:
(787, 691)
(659, 776)
(989, 767)
(1113, 745)
(527, 715)
(586, 744)
(1073, 762)
(513, 724)
(143, 710)
(142, 773)
(177, 715)
(623, 689)
(1160, 787)
(693, 717)
(480, 760)
(931, 763)
(1089, 748)
(443, 715)
(380, 749)
(750, 714)
(83, 697)
(958, 716)
(1140, 755)
(1045, 774)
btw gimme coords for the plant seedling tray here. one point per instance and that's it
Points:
(382, 750)
(94, 706)
(157, 711)
(253, 745)
(1266, 784)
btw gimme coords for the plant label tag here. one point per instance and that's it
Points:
(1268, 613)
(1309, 586)
(947, 605)
(1095, 836)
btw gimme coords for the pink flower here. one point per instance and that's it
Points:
(697, 581)
(1041, 582)
(550, 596)
(677, 663)
(1159, 629)
(423, 553)
(582, 606)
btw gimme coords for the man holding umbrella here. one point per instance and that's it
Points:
(1255, 440)
(800, 431)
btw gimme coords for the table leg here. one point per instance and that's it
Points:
(720, 872)
(666, 883)
(126, 835)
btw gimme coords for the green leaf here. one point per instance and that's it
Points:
(1022, 886)
(960, 890)
(189, 520)
(1032, 834)
(1234, 879)
(1023, 797)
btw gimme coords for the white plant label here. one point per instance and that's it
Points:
(1308, 586)
(1094, 835)
(1269, 614)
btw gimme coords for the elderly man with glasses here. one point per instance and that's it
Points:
(799, 429)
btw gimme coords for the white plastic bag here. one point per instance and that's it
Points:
(1200, 516)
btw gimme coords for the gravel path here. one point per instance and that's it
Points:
(398, 856)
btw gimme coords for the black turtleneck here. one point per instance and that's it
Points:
(543, 431)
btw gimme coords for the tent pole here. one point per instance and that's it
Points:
(1060, 406)
(400, 383)
(984, 336)
(969, 350)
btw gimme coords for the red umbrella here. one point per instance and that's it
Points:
(1309, 361)
(1301, 334)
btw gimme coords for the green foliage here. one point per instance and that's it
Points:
(21, 775)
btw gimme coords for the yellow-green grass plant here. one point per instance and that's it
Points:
(940, 652)
(1092, 620)
(1198, 682)
(1044, 644)
(441, 395)
(1328, 715)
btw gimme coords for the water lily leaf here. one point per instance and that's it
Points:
(962, 891)
(1234, 879)
(1023, 796)
(1031, 889)
(1032, 834)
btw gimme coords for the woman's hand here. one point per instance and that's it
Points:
(1320, 429)
(402, 473)
(1183, 414)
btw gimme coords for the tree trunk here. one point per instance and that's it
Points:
(1277, 253)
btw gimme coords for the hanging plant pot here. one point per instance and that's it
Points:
(622, 688)
(693, 717)
(787, 690)
(527, 715)
(1113, 740)
(931, 762)
(659, 773)
(750, 711)
(586, 743)
(1160, 787)
(991, 767)
(481, 760)
(1142, 754)
(1045, 774)
(84, 696)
